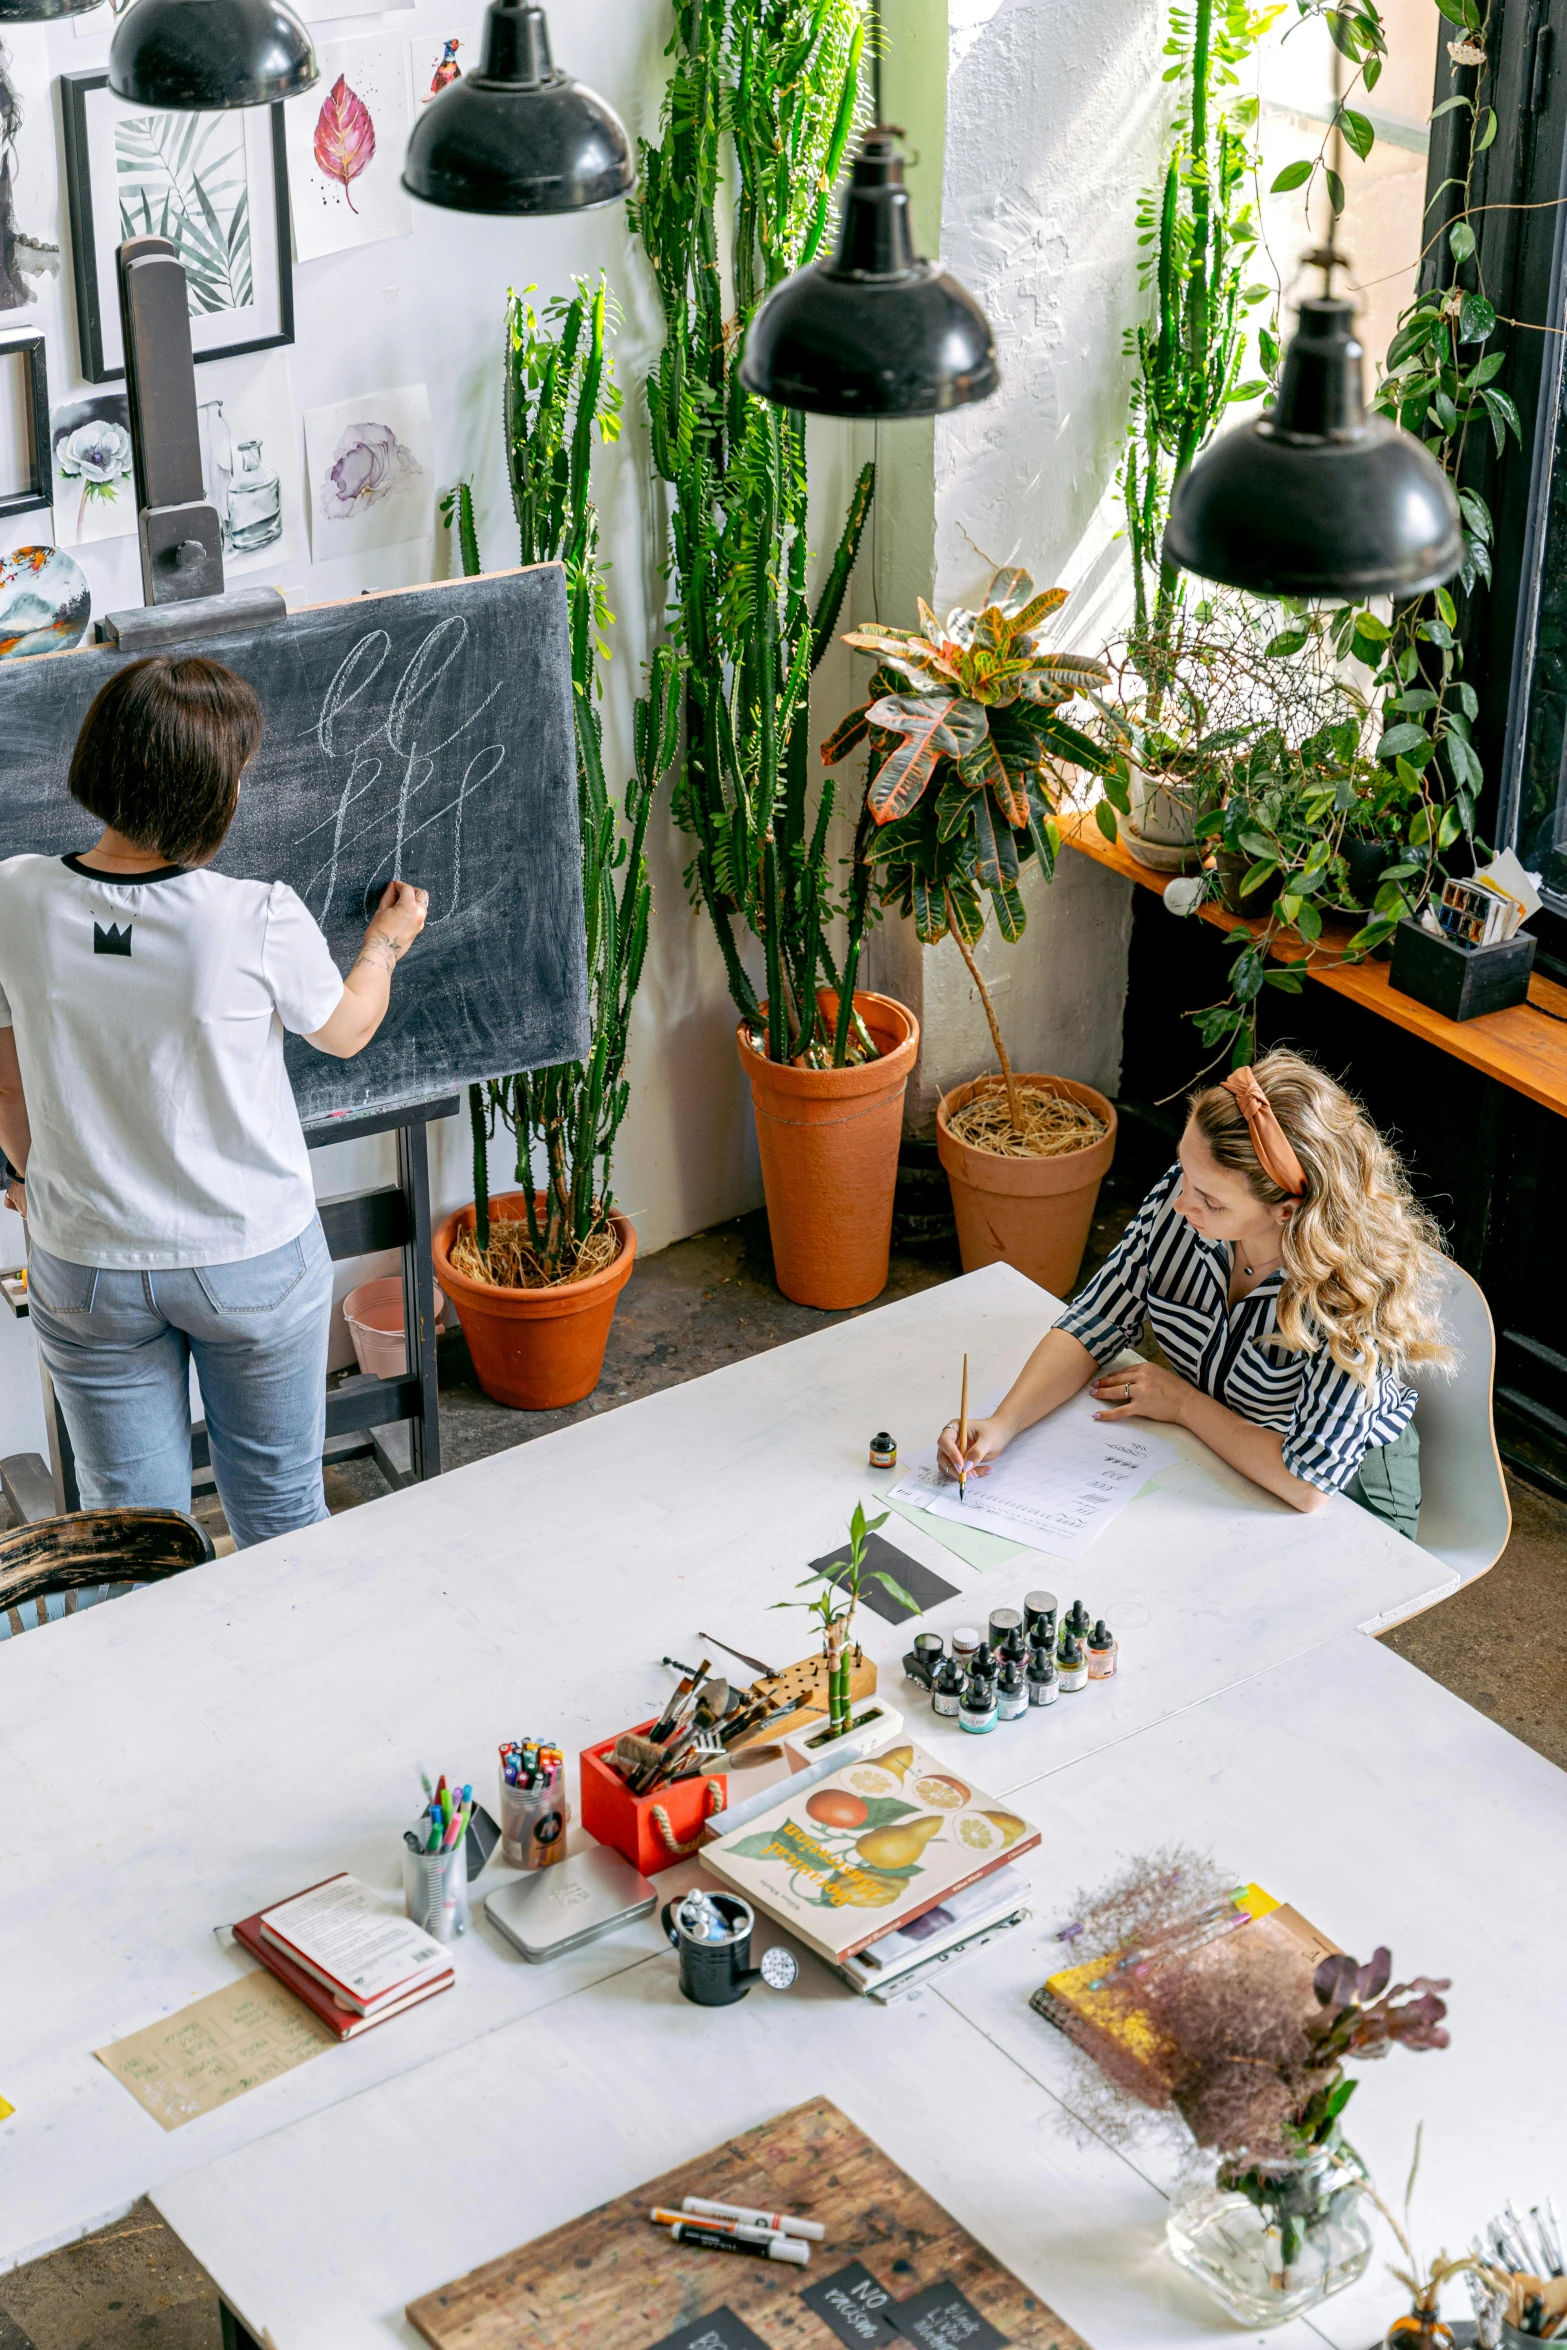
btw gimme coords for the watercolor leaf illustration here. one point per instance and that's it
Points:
(345, 137)
(182, 176)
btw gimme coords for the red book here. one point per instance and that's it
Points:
(345, 2022)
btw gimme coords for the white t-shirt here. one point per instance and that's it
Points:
(149, 1014)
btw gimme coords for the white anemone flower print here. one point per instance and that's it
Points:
(97, 454)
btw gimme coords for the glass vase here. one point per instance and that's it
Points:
(1271, 2239)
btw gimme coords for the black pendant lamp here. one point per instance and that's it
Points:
(1316, 498)
(517, 136)
(875, 331)
(203, 55)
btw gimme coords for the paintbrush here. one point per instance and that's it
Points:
(963, 1437)
(768, 1672)
(665, 1724)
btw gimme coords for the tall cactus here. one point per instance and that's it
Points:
(559, 392)
(782, 79)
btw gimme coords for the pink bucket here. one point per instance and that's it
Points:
(374, 1314)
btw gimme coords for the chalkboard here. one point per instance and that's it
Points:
(424, 735)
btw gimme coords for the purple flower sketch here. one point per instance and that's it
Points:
(369, 463)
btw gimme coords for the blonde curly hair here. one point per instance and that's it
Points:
(1361, 1255)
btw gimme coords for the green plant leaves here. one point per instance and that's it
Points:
(1294, 175)
(1357, 130)
(921, 720)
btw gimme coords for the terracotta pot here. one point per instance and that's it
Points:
(829, 1143)
(1031, 1213)
(534, 1349)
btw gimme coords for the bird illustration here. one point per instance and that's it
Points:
(446, 71)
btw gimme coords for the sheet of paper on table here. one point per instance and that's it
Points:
(1056, 1487)
(190, 2063)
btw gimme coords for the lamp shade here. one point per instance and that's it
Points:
(516, 136)
(875, 331)
(202, 55)
(1316, 498)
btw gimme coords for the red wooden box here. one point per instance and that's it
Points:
(625, 1821)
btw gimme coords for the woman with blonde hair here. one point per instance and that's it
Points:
(1291, 1280)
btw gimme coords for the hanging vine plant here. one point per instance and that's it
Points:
(756, 121)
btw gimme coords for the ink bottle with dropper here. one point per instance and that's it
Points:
(1103, 1649)
(977, 1711)
(1043, 1686)
(946, 1688)
(1039, 1619)
(1073, 1670)
(1004, 1622)
(984, 1662)
(1011, 1690)
(1075, 1625)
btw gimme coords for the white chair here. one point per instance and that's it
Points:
(1465, 1515)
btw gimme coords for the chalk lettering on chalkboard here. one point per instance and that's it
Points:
(345, 729)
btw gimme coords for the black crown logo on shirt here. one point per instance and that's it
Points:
(113, 941)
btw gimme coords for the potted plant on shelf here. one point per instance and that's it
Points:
(967, 751)
(534, 1274)
(722, 223)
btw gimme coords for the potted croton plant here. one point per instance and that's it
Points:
(968, 749)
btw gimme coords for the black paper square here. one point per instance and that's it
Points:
(851, 2303)
(942, 2318)
(924, 1588)
(719, 2330)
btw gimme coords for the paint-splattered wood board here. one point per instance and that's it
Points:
(612, 2281)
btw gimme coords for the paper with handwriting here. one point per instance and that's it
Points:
(1056, 1487)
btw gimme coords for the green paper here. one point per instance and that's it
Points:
(970, 1543)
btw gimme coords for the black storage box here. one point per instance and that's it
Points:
(1461, 982)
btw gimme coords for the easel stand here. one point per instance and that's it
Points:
(395, 1422)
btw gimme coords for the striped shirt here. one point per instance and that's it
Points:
(1165, 1273)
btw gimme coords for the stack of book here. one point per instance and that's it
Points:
(885, 1868)
(351, 1960)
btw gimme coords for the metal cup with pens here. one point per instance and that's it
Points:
(435, 1890)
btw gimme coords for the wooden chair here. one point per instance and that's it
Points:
(1465, 1515)
(47, 1567)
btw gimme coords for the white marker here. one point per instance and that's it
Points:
(780, 2220)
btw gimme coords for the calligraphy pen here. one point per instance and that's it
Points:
(963, 1437)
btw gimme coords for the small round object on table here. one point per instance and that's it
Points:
(779, 1967)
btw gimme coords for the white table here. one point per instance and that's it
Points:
(1343, 1779)
(174, 1760)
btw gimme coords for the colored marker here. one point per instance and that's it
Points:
(782, 2223)
(710, 2239)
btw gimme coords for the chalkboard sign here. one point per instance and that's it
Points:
(425, 735)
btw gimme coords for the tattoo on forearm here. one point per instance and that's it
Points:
(380, 953)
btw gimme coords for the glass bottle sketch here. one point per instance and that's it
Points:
(255, 508)
(217, 458)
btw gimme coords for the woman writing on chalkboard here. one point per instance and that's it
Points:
(147, 1114)
(1290, 1278)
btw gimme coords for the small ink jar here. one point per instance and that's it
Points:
(920, 1664)
(1043, 1686)
(977, 1712)
(1103, 1650)
(1011, 1691)
(1073, 1671)
(946, 1688)
(1039, 1619)
(1004, 1623)
(984, 1662)
(884, 1450)
(965, 1641)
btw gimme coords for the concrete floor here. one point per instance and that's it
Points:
(710, 1300)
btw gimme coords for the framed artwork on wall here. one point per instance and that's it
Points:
(216, 185)
(26, 473)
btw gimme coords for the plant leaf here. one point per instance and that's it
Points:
(345, 136)
(902, 777)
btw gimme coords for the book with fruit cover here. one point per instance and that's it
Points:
(868, 1848)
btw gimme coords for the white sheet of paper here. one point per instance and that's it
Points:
(1056, 1487)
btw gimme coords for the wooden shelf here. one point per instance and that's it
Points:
(1525, 1048)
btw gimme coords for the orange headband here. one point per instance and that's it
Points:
(1268, 1138)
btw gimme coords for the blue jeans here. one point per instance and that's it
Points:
(118, 1346)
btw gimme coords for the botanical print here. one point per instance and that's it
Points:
(94, 492)
(345, 137)
(369, 463)
(184, 177)
(345, 147)
(371, 468)
(25, 254)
